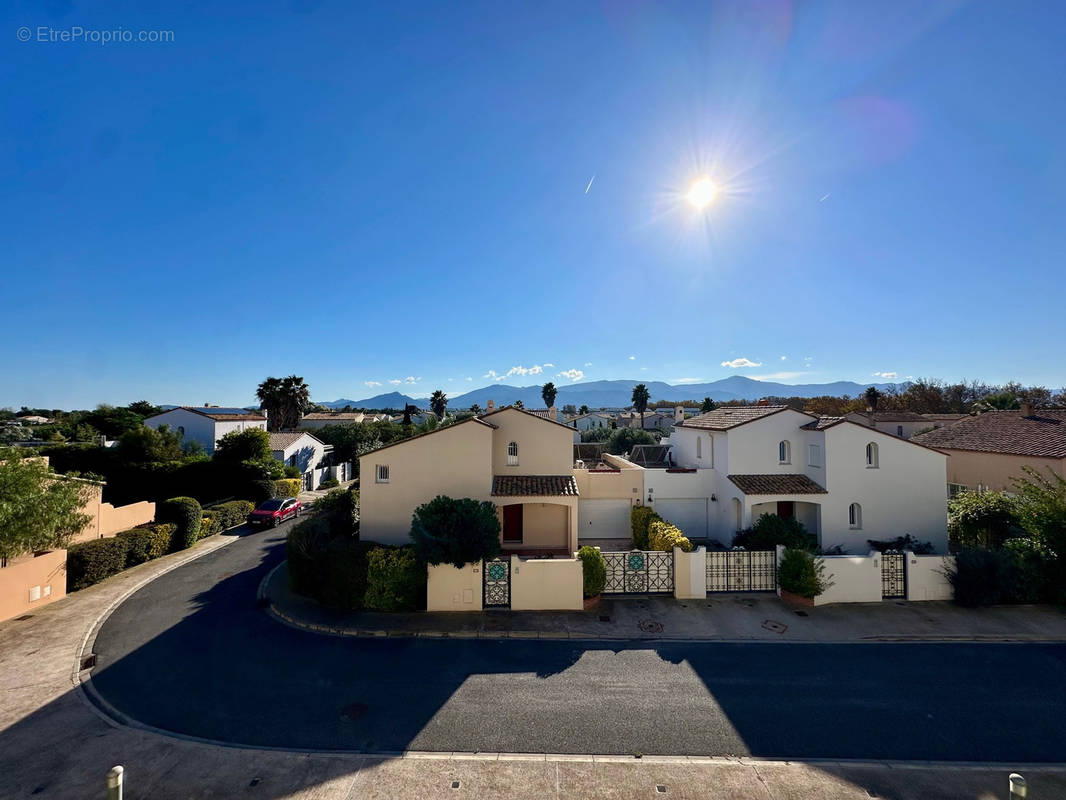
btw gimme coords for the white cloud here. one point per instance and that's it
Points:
(588, 363)
(779, 376)
(784, 358)
(686, 380)
(741, 362)
(632, 358)
(371, 384)
(643, 369)
(546, 364)
(888, 375)
(572, 374)
(536, 369)
(469, 378)
(450, 380)
(412, 379)
(395, 381)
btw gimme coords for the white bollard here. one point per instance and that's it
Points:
(114, 783)
(1018, 788)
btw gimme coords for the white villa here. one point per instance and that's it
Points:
(206, 424)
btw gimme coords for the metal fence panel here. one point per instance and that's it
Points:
(893, 576)
(639, 572)
(496, 583)
(742, 571)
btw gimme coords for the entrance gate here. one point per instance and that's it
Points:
(639, 572)
(742, 571)
(496, 583)
(893, 576)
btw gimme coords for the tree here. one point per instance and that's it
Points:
(408, 410)
(985, 519)
(39, 510)
(519, 404)
(146, 445)
(548, 393)
(569, 409)
(707, 405)
(439, 403)
(583, 410)
(252, 444)
(475, 409)
(873, 397)
(144, 408)
(1001, 401)
(456, 532)
(621, 440)
(284, 400)
(641, 396)
(596, 435)
(111, 422)
(1041, 509)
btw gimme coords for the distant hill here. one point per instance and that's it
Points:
(617, 394)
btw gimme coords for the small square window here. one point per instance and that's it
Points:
(383, 473)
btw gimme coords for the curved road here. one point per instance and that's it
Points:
(191, 653)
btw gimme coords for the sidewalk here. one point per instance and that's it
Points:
(736, 617)
(309, 496)
(56, 745)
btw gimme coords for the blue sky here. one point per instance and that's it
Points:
(370, 193)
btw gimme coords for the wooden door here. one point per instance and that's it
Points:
(785, 509)
(512, 523)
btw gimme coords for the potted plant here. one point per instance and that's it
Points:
(594, 572)
(801, 577)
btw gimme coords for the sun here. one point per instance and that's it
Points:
(702, 193)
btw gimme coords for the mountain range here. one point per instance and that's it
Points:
(618, 393)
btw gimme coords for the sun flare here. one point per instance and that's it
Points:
(702, 193)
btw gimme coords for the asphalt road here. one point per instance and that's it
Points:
(191, 653)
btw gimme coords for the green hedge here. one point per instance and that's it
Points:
(802, 574)
(163, 538)
(328, 567)
(329, 483)
(287, 487)
(260, 489)
(665, 537)
(771, 530)
(186, 514)
(593, 570)
(94, 561)
(138, 545)
(640, 520)
(395, 579)
(209, 525)
(232, 513)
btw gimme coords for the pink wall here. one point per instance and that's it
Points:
(43, 577)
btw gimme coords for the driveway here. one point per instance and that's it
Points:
(191, 653)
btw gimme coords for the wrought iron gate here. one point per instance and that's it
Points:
(893, 576)
(639, 572)
(496, 583)
(742, 571)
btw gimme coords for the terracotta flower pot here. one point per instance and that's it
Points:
(796, 599)
(591, 602)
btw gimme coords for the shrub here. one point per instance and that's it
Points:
(342, 506)
(209, 525)
(640, 519)
(138, 545)
(395, 579)
(291, 472)
(287, 487)
(771, 530)
(331, 569)
(329, 483)
(232, 513)
(162, 536)
(981, 520)
(260, 489)
(800, 573)
(93, 561)
(456, 532)
(1018, 573)
(593, 570)
(665, 537)
(186, 514)
(901, 543)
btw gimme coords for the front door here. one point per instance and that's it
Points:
(512, 523)
(785, 509)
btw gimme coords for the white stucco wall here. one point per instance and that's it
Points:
(926, 579)
(199, 428)
(308, 451)
(855, 579)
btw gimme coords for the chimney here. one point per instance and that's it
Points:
(1026, 408)
(679, 414)
(553, 415)
(490, 406)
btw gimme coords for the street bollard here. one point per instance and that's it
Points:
(1018, 788)
(114, 783)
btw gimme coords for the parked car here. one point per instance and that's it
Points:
(275, 511)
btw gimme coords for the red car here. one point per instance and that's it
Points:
(275, 511)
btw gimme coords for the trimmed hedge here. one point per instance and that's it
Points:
(93, 561)
(232, 513)
(640, 520)
(163, 538)
(209, 525)
(138, 545)
(329, 483)
(593, 570)
(665, 537)
(800, 573)
(186, 513)
(287, 487)
(395, 579)
(260, 490)
(325, 566)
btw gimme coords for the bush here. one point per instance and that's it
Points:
(93, 561)
(456, 532)
(232, 513)
(291, 472)
(801, 574)
(640, 520)
(900, 544)
(330, 568)
(1018, 573)
(329, 483)
(287, 487)
(981, 520)
(260, 489)
(771, 530)
(342, 506)
(395, 579)
(593, 569)
(138, 545)
(162, 535)
(665, 537)
(209, 525)
(186, 514)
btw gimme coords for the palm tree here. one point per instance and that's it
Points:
(707, 405)
(438, 401)
(872, 398)
(296, 397)
(475, 409)
(583, 410)
(519, 404)
(548, 392)
(640, 398)
(269, 395)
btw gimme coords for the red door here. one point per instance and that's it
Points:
(512, 523)
(785, 509)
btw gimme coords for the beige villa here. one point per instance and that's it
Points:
(521, 462)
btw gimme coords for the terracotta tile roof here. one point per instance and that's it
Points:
(776, 484)
(222, 415)
(944, 417)
(726, 417)
(340, 415)
(283, 439)
(530, 413)
(822, 423)
(889, 416)
(1042, 434)
(534, 485)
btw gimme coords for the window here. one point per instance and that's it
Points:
(871, 455)
(512, 454)
(383, 473)
(814, 455)
(699, 447)
(899, 430)
(784, 452)
(292, 460)
(855, 516)
(955, 489)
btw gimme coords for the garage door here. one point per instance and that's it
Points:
(603, 519)
(690, 515)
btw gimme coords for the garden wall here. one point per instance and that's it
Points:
(26, 584)
(451, 589)
(855, 579)
(926, 579)
(690, 574)
(547, 584)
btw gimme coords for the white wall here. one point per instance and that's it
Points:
(855, 579)
(753, 448)
(309, 451)
(451, 589)
(199, 428)
(926, 579)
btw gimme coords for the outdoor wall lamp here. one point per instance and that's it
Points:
(713, 498)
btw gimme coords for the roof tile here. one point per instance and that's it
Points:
(534, 485)
(776, 484)
(1042, 434)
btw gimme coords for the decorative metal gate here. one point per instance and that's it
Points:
(742, 571)
(893, 576)
(496, 583)
(639, 572)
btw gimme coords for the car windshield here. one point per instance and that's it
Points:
(271, 505)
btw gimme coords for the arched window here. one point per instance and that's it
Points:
(871, 455)
(784, 452)
(512, 454)
(699, 447)
(855, 516)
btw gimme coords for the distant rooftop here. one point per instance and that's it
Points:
(1041, 434)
